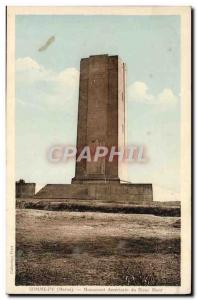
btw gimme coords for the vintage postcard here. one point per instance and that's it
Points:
(99, 150)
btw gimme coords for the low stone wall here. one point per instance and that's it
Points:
(25, 190)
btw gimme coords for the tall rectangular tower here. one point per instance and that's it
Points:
(101, 115)
(101, 121)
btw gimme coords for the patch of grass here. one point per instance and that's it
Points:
(145, 270)
(94, 206)
(63, 248)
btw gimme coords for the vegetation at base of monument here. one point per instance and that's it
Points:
(77, 248)
(98, 206)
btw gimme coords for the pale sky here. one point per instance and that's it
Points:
(47, 85)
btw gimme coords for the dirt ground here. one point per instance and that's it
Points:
(92, 248)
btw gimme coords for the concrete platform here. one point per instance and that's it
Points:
(128, 193)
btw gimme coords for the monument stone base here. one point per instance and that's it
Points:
(129, 193)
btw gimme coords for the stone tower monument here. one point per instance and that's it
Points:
(101, 122)
(101, 115)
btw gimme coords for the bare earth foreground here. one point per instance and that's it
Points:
(93, 248)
